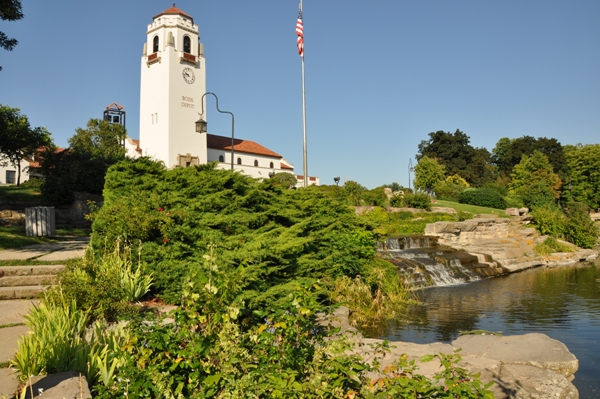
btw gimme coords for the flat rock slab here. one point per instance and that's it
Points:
(534, 349)
(13, 311)
(9, 336)
(69, 384)
(8, 383)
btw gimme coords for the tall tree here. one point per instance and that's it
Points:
(584, 174)
(17, 139)
(454, 151)
(534, 175)
(10, 10)
(99, 140)
(428, 173)
(508, 153)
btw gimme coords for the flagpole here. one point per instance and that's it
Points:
(300, 45)
(304, 126)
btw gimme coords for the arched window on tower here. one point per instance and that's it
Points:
(239, 161)
(255, 162)
(271, 165)
(187, 44)
(155, 44)
(221, 158)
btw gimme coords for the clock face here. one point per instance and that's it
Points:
(188, 75)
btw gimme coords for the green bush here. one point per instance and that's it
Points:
(552, 245)
(487, 197)
(375, 197)
(397, 201)
(278, 235)
(580, 229)
(418, 200)
(105, 284)
(33, 182)
(536, 195)
(513, 201)
(549, 220)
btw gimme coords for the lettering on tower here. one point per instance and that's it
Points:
(187, 102)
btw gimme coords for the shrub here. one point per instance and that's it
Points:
(482, 197)
(579, 227)
(552, 245)
(513, 201)
(549, 220)
(536, 195)
(418, 200)
(375, 197)
(285, 180)
(448, 191)
(104, 284)
(278, 235)
(397, 201)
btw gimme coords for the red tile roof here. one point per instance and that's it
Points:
(286, 166)
(137, 145)
(174, 11)
(247, 146)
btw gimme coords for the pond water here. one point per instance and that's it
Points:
(563, 303)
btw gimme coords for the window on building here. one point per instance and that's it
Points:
(255, 162)
(239, 161)
(10, 177)
(155, 44)
(221, 158)
(187, 44)
(271, 165)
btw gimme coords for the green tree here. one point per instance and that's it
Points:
(455, 153)
(508, 153)
(584, 176)
(428, 173)
(285, 180)
(354, 192)
(10, 10)
(82, 168)
(18, 139)
(99, 140)
(535, 175)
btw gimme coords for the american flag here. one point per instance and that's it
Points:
(300, 32)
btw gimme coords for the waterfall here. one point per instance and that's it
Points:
(424, 263)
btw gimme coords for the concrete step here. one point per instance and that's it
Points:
(36, 270)
(22, 292)
(20, 281)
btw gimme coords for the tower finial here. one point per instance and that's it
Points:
(173, 4)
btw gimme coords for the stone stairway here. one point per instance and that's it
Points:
(22, 282)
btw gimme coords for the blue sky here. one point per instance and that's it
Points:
(380, 74)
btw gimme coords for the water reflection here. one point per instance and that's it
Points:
(563, 303)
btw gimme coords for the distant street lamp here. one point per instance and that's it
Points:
(410, 169)
(201, 125)
(336, 180)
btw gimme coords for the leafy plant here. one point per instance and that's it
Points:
(549, 220)
(418, 200)
(482, 197)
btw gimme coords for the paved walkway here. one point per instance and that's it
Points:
(12, 311)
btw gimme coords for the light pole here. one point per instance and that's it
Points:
(201, 125)
(336, 180)
(410, 169)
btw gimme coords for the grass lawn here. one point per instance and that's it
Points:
(15, 237)
(470, 208)
(20, 194)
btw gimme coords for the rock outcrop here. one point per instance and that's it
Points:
(507, 242)
(522, 366)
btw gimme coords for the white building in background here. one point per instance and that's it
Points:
(173, 81)
(9, 172)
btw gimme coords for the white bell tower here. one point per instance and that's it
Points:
(173, 80)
